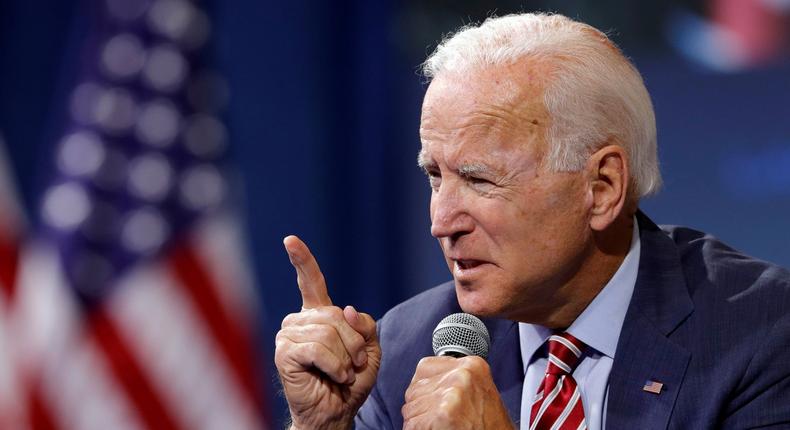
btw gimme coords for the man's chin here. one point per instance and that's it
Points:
(473, 301)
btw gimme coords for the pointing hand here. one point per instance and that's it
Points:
(327, 357)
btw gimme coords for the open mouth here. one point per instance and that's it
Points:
(467, 264)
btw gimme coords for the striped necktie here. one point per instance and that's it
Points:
(558, 403)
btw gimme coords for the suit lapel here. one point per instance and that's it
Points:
(660, 303)
(646, 355)
(505, 363)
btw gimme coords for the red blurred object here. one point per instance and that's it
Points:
(759, 27)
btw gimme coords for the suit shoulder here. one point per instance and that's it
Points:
(419, 313)
(712, 267)
(697, 249)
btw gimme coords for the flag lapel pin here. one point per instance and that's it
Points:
(653, 387)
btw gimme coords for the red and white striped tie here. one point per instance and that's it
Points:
(558, 404)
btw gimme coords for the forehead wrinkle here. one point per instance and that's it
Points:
(489, 114)
(495, 119)
(465, 141)
(502, 114)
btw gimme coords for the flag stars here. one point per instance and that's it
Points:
(165, 69)
(201, 187)
(179, 21)
(150, 177)
(81, 154)
(66, 205)
(144, 231)
(115, 110)
(123, 56)
(141, 158)
(158, 124)
(135, 170)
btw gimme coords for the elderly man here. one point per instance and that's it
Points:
(538, 140)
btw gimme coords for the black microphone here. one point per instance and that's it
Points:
(460, 335)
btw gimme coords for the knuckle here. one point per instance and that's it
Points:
(321, 331)
(460, 377)
(326, 314)
(474, 361)
(446, 361)
(280, 341)
(406, 409)
(479, 362)
(414, 388)
(333, 312)
(475, 364)
(289, 320)
(425, 361)
(306, 315)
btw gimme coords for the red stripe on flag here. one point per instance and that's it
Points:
(39, 415)
(9, 263)
(233, 341)
(129, 374)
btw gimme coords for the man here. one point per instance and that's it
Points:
(538, 139)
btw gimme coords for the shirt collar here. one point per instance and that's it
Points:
(599, 325)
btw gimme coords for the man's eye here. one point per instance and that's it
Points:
(434, 179)
(474, 180)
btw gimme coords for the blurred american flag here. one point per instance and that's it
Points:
(133, 306)
(11, 229)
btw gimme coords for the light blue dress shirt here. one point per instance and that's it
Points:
(599, 327)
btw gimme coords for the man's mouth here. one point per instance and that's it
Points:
(467, 264)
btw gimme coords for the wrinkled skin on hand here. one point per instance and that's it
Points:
(454, 393)
(327, 357)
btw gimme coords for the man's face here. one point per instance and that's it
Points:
(514, 235)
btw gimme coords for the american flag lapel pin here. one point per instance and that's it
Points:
(653, 387)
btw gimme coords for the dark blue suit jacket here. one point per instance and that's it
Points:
(710, 323)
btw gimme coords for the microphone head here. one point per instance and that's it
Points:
(460, 335)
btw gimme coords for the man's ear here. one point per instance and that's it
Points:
(609, 180)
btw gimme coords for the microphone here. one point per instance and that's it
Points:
(460, 335)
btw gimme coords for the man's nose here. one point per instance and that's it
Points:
(449, 215)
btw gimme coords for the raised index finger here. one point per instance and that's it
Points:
(308, 275)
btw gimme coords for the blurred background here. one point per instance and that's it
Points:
(156, 152)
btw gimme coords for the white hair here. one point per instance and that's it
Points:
(594, 95)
